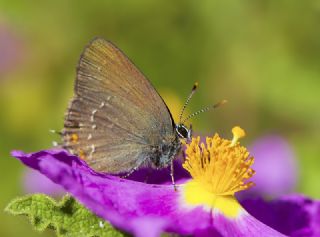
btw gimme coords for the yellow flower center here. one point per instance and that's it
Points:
(219, 169)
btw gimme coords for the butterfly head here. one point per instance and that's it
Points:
(184, 132)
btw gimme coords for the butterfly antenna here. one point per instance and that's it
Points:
(205, 110)
(194, 88)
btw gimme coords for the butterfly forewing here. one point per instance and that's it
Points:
(116, 117)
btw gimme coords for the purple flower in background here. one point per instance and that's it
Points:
(35, 182)
(275, 166)
(10, 49)
(293, 215)
(202, 206)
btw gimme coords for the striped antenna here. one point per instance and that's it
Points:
(194, 88)
(204, 110)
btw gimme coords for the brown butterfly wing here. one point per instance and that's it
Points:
(116, 116)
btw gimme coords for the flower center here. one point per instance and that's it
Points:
(222, 166)
(219, 169)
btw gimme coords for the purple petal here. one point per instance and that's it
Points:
(162, 176)
(35, 182)
(139, 208)
(293, 215)
(245, 226)
(275, 166)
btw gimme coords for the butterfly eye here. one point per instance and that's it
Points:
(183, 131)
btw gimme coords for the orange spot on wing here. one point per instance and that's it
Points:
(82, 155)
(74, 138)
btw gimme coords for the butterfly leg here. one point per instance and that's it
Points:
(172, 175)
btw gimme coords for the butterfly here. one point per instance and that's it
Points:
(117, 121)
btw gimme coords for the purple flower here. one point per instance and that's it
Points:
(293, 215)
(35, 182)
(275, 166)
(202, 206)
(10, 49)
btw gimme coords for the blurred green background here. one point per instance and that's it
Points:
(261, 55)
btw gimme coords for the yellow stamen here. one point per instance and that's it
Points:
(219, 168)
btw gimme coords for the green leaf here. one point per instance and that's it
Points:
(67, 217)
